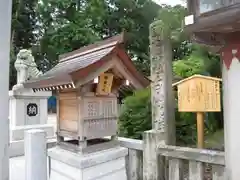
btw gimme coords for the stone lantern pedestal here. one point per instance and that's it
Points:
(28, 110)
(108, 164)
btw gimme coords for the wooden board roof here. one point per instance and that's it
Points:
(84, 61)
(196, 76)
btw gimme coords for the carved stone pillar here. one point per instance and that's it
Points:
(163, 119)
(231, 108)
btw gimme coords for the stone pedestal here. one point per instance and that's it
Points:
(102, 165)
(28, 110)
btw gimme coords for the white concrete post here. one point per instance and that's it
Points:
(5, 36)
(231, 109)
(35, 155)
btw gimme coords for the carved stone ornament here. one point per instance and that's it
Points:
(26, 67)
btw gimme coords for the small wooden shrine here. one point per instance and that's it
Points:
(86, 83)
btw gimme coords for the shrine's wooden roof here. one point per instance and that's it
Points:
(215, 27)
(82, 62)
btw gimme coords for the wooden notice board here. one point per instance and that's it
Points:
(199, 94)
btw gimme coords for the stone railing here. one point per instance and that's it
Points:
(139, 162)
(183, 163)
(134, 159)
(193, 164)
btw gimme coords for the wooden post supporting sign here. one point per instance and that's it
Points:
(200, 130)
(199, 94)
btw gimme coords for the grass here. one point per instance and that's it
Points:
(215, 140)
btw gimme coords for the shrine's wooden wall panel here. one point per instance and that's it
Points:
(100, 116)
(68, 111)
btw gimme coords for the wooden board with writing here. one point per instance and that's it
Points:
(105, 84)
(199, 94)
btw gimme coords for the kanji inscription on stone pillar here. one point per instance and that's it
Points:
(157, 77)
(161, 76)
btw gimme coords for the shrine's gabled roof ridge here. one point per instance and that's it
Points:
(78, 62)
(60, 74)
(107, 42)
(85, 58)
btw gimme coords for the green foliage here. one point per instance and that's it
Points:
(53, 27)
(186, 131)
(198, 60)
(189, 59)
(186, 128)
(69, 25)
(172, 18)
(23, 33)
(189, 66)
(135, 116)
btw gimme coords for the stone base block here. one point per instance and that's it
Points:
(103, 165)
(17, 133)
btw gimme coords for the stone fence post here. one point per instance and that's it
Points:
(35, 155)
(153, 164)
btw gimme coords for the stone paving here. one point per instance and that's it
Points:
(17, 168)
(17, 164)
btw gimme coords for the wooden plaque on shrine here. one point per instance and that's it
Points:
(105, 84)
(199, 94)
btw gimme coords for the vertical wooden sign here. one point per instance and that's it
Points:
(104, 86)
(199, 94)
